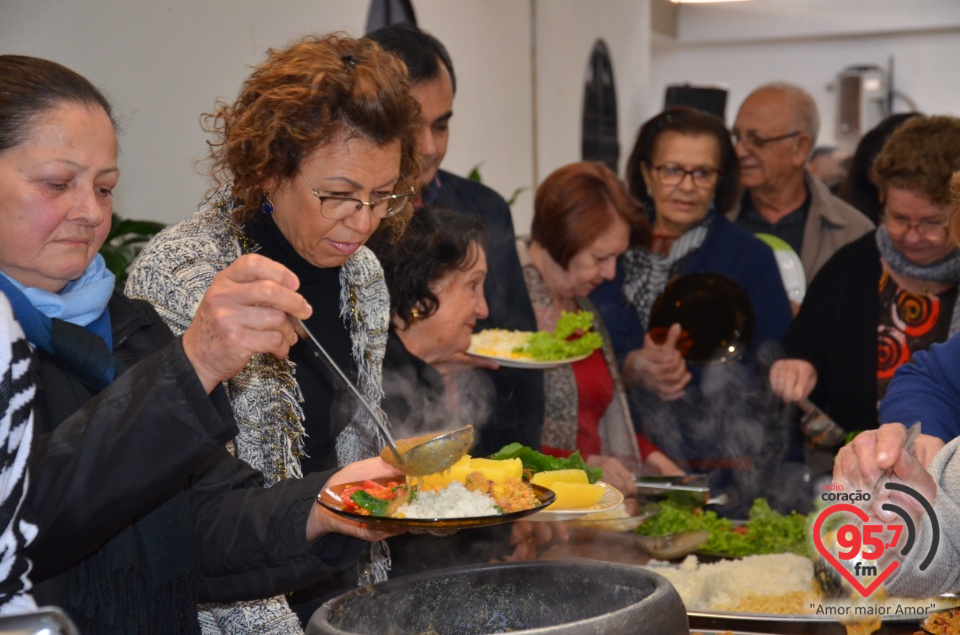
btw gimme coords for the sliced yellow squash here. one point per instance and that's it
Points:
(457, 472)
(547, 479)
(498, 471)
(576, 495)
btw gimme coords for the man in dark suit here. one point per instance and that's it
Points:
(518, 412)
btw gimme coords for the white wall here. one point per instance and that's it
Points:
(565, 34)
(163, 63)
(489, 43)
(743, 45)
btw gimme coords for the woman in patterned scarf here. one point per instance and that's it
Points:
(316, 152)
(684, 170)
(16, 433)
(886, 296)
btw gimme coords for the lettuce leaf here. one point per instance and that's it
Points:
(534, 461)
(546, 346)
(766, 531)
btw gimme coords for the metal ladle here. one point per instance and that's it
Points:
(418, 456)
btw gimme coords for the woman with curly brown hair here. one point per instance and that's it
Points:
(316, 152)
(886, 296)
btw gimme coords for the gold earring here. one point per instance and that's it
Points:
(414, 316)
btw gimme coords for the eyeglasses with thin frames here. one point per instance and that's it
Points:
(334, 207)
(756, 142)
(924, 227)
(671, 174)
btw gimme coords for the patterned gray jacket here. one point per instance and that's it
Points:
(173, 273)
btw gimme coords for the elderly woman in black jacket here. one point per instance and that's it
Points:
(435, 273)
(141, 511)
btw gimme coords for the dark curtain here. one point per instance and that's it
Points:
(600, 142)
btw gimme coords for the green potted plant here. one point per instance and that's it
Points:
(124, 242)
(475, 177)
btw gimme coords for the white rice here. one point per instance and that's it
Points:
(453, 501)
(720, 585)
(500, 343)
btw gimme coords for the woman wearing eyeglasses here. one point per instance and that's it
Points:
(885, 296)
(684, 169)
(314, 155)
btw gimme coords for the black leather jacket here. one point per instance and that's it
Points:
(153, 443)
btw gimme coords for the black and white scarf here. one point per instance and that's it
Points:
(16, 432)
(646, 274)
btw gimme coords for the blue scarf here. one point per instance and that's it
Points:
(72, 326)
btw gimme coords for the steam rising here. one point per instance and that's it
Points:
(416, 403)
(732, 414)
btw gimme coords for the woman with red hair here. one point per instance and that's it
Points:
(583, 221)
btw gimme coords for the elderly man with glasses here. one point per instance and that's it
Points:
(774, 132)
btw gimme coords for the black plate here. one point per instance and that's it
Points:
(330, 498)
(924, 625)
(715, 313)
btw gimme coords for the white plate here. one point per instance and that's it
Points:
(611, 499)
(512, 362)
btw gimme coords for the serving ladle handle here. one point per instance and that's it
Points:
(322, 353)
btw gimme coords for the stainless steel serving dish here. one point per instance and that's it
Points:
(748, 624)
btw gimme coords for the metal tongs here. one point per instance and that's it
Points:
(689, 483)
(818, 427)
(694, 484)
(912, 433)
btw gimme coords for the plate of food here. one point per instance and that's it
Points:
(390, 504)
(572, 340)
(941, 622)
(578, 487)
(516, 360)
(764, 531)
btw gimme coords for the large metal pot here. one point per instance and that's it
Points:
(561, 597)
